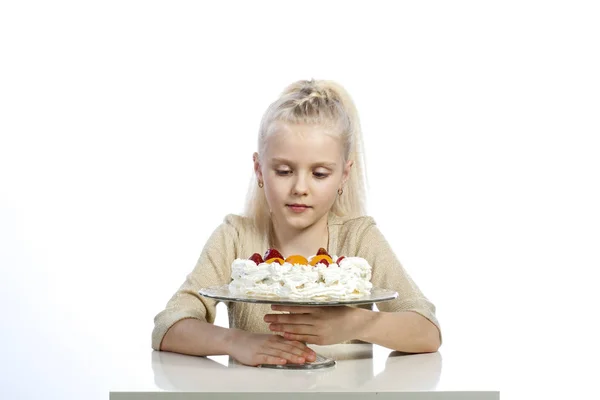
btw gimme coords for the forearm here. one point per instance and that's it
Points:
(198, 338)
(403, 331)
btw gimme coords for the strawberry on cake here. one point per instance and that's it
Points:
(295, 277)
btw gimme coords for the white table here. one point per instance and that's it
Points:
(359, 373)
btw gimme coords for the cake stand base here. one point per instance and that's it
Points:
(320, 362)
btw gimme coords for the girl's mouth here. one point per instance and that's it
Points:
(298, 208)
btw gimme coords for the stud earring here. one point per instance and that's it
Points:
(340, 191)
(260, 184)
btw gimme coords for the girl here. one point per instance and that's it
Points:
(308, 194)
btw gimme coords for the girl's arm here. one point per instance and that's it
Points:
(411, 313)
(404, 331)
(407, 323)
(194, 337)
(185, 325)
(189, 336)
(212, 269)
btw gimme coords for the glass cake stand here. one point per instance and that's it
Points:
(222, 293)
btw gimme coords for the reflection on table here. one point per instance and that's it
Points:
(362, 370)
(354, 372)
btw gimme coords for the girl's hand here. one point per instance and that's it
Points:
(264, 348)
(318, 325)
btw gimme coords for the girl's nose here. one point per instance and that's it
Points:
(300, 186)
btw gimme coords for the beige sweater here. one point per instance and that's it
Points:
(235, 238)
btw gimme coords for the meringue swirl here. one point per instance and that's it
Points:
(350, 279)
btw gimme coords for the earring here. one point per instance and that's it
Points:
(340, 191)
(260, 184)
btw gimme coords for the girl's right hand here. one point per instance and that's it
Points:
(264, 348)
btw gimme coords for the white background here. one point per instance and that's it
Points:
(126, 135)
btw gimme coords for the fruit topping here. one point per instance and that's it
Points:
(325, 259)
(272, 253)
(322, 252)
(296, 259)
(256, 258)
(339, 259)
(276, 259)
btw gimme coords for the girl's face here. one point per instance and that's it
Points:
(302, 169)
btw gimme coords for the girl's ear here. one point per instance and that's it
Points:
(346, 173)
(257, 167)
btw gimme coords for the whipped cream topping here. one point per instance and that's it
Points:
(350, 279)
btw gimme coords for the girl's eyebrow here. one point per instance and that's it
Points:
(277, 160)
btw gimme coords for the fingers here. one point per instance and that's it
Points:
(268, 359)
(279, 355)
(297, 329)
(304, 319)
(291, 347)
(281, 350)
(296, 309)
(299, 345)
(307, 352)
(304, 338)
(292, 351)
(264, 348)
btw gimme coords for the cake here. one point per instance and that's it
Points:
(295, 277)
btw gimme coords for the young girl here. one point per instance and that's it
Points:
(308, 194)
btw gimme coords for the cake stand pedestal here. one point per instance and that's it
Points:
(223, 293)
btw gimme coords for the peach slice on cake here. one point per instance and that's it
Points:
(296, 259)
(275, 259)
(325, 259)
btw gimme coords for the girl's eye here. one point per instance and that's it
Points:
(318, 175)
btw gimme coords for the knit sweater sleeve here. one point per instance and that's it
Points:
(212, 268)
(389, 273)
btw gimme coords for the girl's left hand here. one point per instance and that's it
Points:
(318, 325)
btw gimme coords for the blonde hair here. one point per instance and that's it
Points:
(314, 102)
